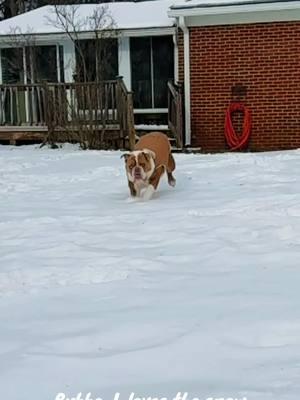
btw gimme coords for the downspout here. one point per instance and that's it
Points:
(187, 89)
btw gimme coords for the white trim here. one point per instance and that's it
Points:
(187, 89)
(124, 60)
(218, 8)
(243, 18)
(69, 60)
(149, 32)
(150, 110)
(255, 12)
(53, 38)
(145, 127)
(25, 78)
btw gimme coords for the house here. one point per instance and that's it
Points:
(140, 43)
(222, 51)
(246, 51)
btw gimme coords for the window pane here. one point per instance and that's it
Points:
(85, 60)
(163, 66)
(108, 63)
(41, 63)
(12, 65)
(96, 59)
(141, 72)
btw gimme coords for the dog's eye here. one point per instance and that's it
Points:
(142, 165)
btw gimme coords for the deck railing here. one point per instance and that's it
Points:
(175, 112)
(88, 106)
(22, 105)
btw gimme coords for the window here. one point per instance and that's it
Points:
(152, 65)
(41, 63)
(140, 49)
(96, 59)
(12, 65)
(163, 68)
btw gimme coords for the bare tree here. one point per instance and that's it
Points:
(11, 8)
(92, 62)
(101, 25)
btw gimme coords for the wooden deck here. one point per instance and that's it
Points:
(16, 134)
(99, 113)
(37, 134)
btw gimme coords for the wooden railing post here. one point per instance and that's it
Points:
(49, 117)
(175, 112)
(120, 105)
(180, 117)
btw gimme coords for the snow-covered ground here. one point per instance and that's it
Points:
(197, 290)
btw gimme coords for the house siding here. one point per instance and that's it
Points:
(264, 58)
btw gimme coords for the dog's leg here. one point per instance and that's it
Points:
(170, 168)
(147, 192)
(155, 178)
(153, 183)
(132, 189)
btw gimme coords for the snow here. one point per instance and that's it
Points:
(132, 15)
(195, 291)
(126, 15)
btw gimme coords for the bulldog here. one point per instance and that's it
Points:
(146, 164)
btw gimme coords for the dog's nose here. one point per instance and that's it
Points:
(138, 170)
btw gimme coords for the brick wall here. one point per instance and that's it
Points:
(264, 58)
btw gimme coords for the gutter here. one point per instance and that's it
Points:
(233, 8)
(56, 37)
(228, 4)
(187, 89)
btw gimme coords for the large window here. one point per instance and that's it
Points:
(12, 65)
(42, 63)
(96, 59)
(152, 65)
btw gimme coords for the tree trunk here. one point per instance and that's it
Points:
(13, 8)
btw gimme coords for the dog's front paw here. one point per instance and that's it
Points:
(172, 182)
(147, 193)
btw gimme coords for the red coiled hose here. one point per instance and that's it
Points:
(234, 141)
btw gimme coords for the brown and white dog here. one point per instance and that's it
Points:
(145, 165)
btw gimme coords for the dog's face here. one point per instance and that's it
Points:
(140, 165)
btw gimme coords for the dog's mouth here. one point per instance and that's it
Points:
(138, 175)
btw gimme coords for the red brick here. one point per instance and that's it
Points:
(262, 57)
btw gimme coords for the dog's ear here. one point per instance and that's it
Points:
(149, 153)
(125, 156)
